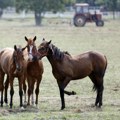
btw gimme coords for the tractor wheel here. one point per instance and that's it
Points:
(79, 21)
(99, 23)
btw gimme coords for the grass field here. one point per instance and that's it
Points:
(74, 40)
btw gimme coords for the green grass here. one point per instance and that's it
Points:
(74, 40)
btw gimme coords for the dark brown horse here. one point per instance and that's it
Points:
(12, 63)
(34, 69)
(66, 68)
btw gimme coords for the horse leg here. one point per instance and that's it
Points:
(100, 89)
(1, 98)
(31, 83)
(62, 84)
(62, 98)
(24, 89)
(11, 91)
(69, 93)
(37, 89)
(6, 89)
(32, 89)
(1, 86)
(65, 83)
(21, 79)
(29, 93)
(98, 86)
(29, 88)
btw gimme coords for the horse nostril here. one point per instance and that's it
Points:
(19, 69)
(34, 58)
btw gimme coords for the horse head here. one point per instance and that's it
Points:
(44, 48)
(18, 58)
(31, 48)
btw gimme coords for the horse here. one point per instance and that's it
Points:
(11, 63)
(66, 67)
(34, 69)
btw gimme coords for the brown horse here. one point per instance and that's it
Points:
(66, 67)
(34, 69)
(12, 63)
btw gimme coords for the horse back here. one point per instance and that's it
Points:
(84, 64)
(6, 59)
(99, 62)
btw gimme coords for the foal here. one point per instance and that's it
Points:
(12, 63)
(34, 69)
(66, 68)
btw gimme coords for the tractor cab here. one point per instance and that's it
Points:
(85, 13)
(81, 8)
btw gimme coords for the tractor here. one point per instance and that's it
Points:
(85, 13)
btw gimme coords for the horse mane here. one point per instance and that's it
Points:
(57, 53)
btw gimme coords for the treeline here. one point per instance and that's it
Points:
(41, 6)
(108, 4)
(59, 4)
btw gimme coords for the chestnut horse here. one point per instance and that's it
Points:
(34, 69)
(12, 63)
(66, 68)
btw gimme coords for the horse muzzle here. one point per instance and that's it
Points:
(34, 58)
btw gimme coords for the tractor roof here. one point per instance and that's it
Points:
(81, 4)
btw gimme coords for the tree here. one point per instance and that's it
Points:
(91, 2)
(112, 5)
(118, 5)
(41, 6)
(4, 4)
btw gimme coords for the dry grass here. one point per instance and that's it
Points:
(75, 40)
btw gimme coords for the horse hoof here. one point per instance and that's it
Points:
(28, 104)
(62, 108)
(6, 104)
(22, 108)
(37, 106)
(25, 103)
(73, 93)
(32, 102)
(1, 105)
(99, 106)
(11, 106)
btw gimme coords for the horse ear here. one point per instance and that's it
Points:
(15, 47)
(51, 48)
(24, 48)
(26, 38)
(34, 38)
(49, 42)
(43, 39)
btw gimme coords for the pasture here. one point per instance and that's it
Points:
(74, 40)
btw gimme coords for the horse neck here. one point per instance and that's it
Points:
(36, 62)
(55, 56)
(52, 60)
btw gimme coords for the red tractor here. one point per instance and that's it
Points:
(85, 13)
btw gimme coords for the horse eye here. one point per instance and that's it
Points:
(23, 58)
(42, 49)
(15, 57)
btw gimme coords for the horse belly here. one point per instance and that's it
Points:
(4, 65)
(82, 72)
(80, 76)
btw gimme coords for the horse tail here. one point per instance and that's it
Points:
(105, 65)
(103, 72)
(95, 86)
